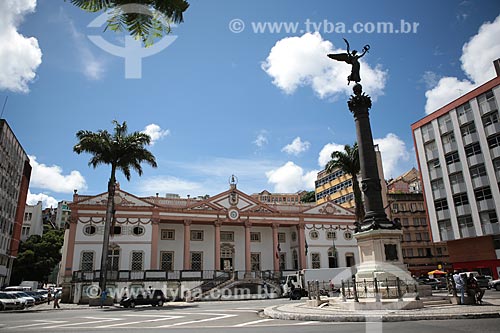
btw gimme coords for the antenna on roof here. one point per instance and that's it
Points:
(3, 108)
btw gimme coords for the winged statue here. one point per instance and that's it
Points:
(352, 58)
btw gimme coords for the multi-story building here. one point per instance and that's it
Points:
(167, 240)
(63, 214)
(32, 222)
(15, 172)
(279, 198)
(409, 182)
(458, 151)
(336, 186)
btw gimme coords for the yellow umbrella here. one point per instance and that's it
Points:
(436, 272)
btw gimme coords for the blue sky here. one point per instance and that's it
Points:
(266, 106)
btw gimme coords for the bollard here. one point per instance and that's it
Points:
(343, 292)
(309, 291)
(400, 295)
(354, 290)
(377, 294)
(317, 291)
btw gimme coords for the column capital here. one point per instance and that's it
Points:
(301, 226)
(155, 220)
(275, 226)
(217, 223)
(187, 222)
(248, 224)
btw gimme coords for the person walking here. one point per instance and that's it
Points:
(56, 300)
(49, 297)
(104, 295)
(460, 286)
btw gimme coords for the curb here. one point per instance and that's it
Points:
(275, 313)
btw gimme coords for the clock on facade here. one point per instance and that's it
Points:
(233, 214)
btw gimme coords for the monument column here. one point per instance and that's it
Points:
(217, 225)
(275, 247)
(248, 259)
(302, 246)
(187, 243)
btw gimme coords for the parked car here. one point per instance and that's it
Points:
(482, 281)
(495, 284)
(9, 302)
(155, 298)
(434, 283)
(37, 296)
(26, 300)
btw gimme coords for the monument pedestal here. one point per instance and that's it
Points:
(380, 255)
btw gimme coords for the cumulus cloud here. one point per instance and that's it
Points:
(155, 132)
(51, 178)
(20, 56)
(394, 152)
(302, 61)
(325, 155)
(296, 147)
(291, 178)
(47, 201)
(261, 139)
(477, 63)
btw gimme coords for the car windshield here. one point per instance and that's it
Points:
(481, 278)
(3, 295)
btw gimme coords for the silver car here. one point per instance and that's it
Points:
(9, 302)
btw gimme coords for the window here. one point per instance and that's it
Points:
(405, 222)
(441, 204)
(331, 235)
(332, 258)
(196, 235)
(445, 124)
(426, 236)
(89, 230)
(477, 171)
(439, 251)
(468, 129)
(465, 222)
(434, 164)
(196, 261)
(294, 236)
(113, 259)
(255, 261)
(255, 236)
(315, 260)
(282, 261)
(490, 118)
(483, 193)
(456, 178)
(460, 199)
(117, 230)
(409, 252)
(486, 102)
(167, 261)
(348, 235)
(418, 237)
(472, 149)
(452, 158)
(349, 259)
(430, 148)
(448, 138)
(489, 216)
(437, 184)
(407, 237)
(494, 141)
(167, 234)
(463, 109)
(281, 237)
(313, 234)
(295, 259)
(138, 231)
(496, 164)
(87, 261)
(227, 236)
(137, 261)
(445, 230)
(420, 252)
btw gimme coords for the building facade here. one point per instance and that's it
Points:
(181, 240)
(279, 198)
(32, 222)
(15, 172)
(458, 151)
(62, 214)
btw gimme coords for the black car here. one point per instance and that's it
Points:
(434, 283)
(154, 298)
(482, 281)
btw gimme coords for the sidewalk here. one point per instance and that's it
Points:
(299, 311)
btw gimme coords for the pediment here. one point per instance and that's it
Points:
(122, 198)
(232, 199)
(329, 208)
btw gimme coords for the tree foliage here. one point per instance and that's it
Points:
(308, 197)
(348, 161)
(143, 19)
(37, 257)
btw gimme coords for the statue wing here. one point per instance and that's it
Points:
(339, 57)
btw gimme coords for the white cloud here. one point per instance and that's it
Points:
(52, 179)
(302, 61)
(394, 152)
(155, 132)
(477, 63)
(430, 79)
(261, 139)
(296, 147)
(47, 201)
(325, 155)
(291, 178)
(20, 56)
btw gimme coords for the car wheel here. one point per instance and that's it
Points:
(497, 287)
(160, 303)
(132, 304)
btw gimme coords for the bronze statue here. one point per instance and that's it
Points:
(352, 58)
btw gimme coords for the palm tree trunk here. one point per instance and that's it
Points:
(107, 228)
(358, 200)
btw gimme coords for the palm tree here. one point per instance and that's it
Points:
(348, 161)
(143, 19)
(123, 152)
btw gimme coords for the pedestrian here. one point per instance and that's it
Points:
(291, 289)
(57, 295)
(474, 290)
(49, 297)
(104, 295)
(460, 286)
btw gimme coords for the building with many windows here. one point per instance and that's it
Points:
(32, 222)
(15, 172)
(279, 198)
(173, 241)
(458, 151)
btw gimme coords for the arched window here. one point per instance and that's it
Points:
(295, 259)
(349, 259)
(332, 258)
